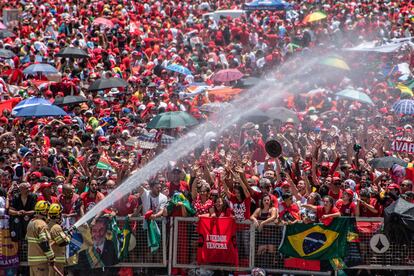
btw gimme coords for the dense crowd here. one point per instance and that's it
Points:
(324, 170)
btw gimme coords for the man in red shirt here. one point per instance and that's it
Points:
(367, 206)
(91, 197)
(72, 204)
(175, 183)
(46, 190)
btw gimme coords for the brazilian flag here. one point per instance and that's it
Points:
(179, 198)
(317, 241)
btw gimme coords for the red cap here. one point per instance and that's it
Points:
(45, 185)
(393, 186)
(102, 139)
(349, 192)
(285, 184)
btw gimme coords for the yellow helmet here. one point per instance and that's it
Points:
(55, 210)
(42, 207)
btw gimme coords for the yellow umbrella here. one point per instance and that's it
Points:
(315, 16)
(335, 62)
(405, 89)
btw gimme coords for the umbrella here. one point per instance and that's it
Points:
(6, 33)
(399, 221)
(172, 120)
(70, 100)
(214, 107)
(227, 75)
(32, 101)
(355, 95)
(405, 107)
(40, 68)
(103, 84)
(72, 52)
(179, 69)
(2, 26)
(41, 110)
(282, 114)
(103, 21)
(335, 62)
(315, 16)
(151, 138)
(247, 82)
(387, 162)
(273, 5)
(6, 53)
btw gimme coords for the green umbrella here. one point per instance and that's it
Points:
(355, 95)
(172, 120)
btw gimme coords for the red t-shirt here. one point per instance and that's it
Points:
(126, 205)
(53, 199)
(241, 209)
(335, 196)
(346, 210)
(183, 186)
(258, 196)
(365, 212)
(68, 207)
(90, 202)
(320, 211)
(289, 213)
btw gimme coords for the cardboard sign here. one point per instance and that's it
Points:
(402, 146)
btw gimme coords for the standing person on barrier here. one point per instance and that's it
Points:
(59, 239)
(40, 255)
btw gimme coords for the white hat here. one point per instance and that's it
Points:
(113, 91)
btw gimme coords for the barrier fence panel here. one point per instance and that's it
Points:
(141, 255)
(185, 243)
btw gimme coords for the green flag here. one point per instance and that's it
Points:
(153, 235)
(317, 241)
(126, 233)
(116, 236)
(179, 198)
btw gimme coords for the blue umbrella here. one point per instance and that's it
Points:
(179, 69)
(32, 101)
(40, 68)
(355, 95)
(272, 5)
(41, 110)
(405, 107)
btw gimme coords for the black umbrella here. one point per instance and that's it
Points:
(72, 52)
(103, 84)
(399, 221)
(387, 162)
(70, 100)
(6, 33)
(255, 116)
(4, 53)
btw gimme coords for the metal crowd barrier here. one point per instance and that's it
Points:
(178, 248)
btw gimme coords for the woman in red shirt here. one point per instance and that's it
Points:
(346, 205)
(325, 213)
(220, 208)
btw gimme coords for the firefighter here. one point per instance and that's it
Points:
(40, 255)
(59, 238)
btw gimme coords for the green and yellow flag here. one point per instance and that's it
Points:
(317, 241)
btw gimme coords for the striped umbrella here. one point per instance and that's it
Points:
(405, 107)
(151, 137)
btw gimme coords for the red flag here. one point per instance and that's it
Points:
(6, 105)
(217, 241)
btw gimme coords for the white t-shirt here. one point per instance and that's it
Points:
(152, 203)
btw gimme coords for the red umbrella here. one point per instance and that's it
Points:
(103, 21)
(227, 75)
(2, 26)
